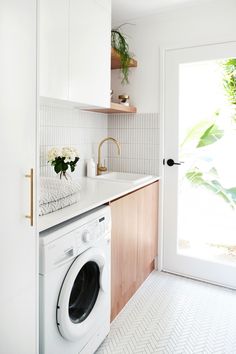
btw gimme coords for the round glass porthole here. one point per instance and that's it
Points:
(84, 292)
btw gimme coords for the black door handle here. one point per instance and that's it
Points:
(170, 162)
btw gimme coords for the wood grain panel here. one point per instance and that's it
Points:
(134, 243)
(115, 61)
(124, 251)
(147, 230)
(114, 108)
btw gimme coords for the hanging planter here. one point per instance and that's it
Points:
(120, 45)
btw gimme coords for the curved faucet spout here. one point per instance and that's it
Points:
(101, 168)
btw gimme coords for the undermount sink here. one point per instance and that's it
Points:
(134, 178)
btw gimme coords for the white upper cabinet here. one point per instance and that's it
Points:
(54, 48)
(75, 50)
(90, 48)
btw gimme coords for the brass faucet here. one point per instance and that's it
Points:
(101, 168)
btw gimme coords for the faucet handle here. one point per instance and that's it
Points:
(102, 168)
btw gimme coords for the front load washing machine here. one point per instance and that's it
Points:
(75, 284)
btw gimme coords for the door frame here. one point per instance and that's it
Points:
(162, 56)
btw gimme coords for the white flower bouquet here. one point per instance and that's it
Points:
(62, 159)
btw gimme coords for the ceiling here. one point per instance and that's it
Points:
(123, 10)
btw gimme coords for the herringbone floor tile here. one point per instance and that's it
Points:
(174, 315)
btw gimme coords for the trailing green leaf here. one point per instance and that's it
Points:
(119, 43)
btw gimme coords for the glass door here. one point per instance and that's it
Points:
(200, 163)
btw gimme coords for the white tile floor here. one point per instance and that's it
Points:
(171, 314)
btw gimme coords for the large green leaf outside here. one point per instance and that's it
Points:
(210, 136)
(197, 178)
(195, 132)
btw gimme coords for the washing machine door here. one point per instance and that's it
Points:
(83, 296)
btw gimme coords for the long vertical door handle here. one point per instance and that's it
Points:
(31, 215)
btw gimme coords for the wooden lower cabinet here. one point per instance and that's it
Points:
(134, 243)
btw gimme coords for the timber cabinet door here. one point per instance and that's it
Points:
(147, 230)
(124, 251)
(133, 243)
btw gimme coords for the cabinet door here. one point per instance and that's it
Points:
(123, 251)
(134, 243)
(54, 48)
(18, 279)
(147, 230)
(90, 28)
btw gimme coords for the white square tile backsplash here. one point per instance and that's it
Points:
(138, 135)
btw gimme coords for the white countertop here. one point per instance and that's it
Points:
(94, 193)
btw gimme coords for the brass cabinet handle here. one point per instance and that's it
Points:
(31, 215)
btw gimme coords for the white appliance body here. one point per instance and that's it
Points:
(75, 284)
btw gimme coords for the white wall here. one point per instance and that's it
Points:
(191, 25)
(67, 126)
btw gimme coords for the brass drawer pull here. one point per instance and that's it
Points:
(31, 215)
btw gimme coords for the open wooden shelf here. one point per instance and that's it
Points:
(115, 61)
(115, 108)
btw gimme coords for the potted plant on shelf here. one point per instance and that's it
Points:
(120, 45)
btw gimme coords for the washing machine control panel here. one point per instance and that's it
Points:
(93, 231)
(69, 241)
(86, 236)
